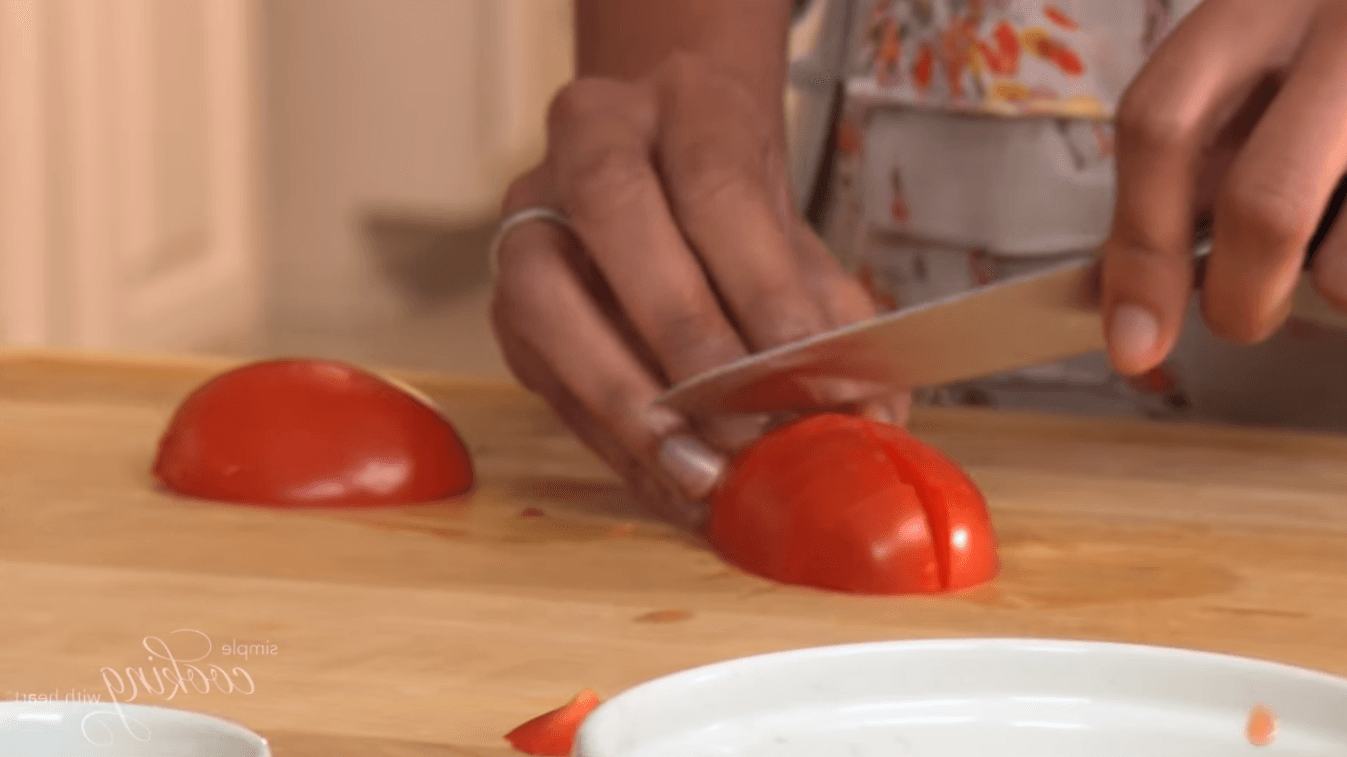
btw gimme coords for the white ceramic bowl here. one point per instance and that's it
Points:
(973, 698)
(73, 729)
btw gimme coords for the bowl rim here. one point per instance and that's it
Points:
(610, 709)
(9, 708)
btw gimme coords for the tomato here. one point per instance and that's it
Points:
(552, 734)
(310, 432)
(961, 528)
(842, 503)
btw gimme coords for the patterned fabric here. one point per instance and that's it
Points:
(975, 143)
(1006, 57)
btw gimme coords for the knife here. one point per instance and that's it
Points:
(1017, 323)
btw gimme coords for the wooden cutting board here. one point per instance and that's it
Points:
(433, 630)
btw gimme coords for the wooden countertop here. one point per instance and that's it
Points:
(433, 630)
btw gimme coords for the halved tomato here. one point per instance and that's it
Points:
(311, 432)
(843, 503)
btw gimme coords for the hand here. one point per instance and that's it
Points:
(686, 254)
(1241, 113)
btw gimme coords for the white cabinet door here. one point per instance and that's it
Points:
(127, 193)
(527, 58)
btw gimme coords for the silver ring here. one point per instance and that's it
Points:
(515, 220)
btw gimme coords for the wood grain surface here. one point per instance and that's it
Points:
(432, 630)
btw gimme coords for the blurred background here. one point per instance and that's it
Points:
(262, 177)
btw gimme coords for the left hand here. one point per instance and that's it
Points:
(1241, 113)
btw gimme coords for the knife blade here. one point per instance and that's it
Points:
(1026, 321)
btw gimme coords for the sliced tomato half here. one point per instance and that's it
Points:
(842, 503)
(311, 432)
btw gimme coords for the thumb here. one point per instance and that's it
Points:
(1145, 294)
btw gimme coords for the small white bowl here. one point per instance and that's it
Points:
(80, 729)
(973, 698)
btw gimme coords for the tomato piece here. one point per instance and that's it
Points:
(552, 734)
(842, 503)
(965, 542)
(307, 433)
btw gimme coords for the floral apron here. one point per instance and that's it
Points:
(975, 143)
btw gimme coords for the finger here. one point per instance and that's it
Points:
(1277, 189)
(540, 299)
(845, 301)
(601, 137)
(1167, 117)
(720, 165)
(651, 491)
(729, 433)
(843, 298)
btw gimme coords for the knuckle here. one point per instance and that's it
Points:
(591, 100)
(1145, 123)
(578, 101)
(786, 314)
(712, 179)
(1234, 322)
(693, 329)
(614, 402)
(524, 269)
(1271, 219)
(683, 71)
(690, 83)
(602, 177)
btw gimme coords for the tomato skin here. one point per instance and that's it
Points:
(552, 734)
(842, 503)
(304, 433)
(965, 543)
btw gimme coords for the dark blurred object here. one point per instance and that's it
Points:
(429, 260)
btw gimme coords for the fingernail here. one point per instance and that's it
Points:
(693, 466)
(1133, 334)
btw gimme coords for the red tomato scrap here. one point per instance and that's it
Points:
(552, 734)
(308, 433)
(843, 503)
(1261, 729)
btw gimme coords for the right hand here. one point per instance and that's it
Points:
(687, 254)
